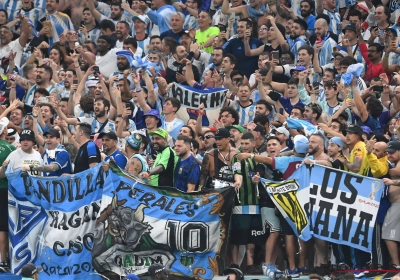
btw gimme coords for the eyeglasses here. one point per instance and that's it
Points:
(237, 80)
(262, 29)
(72, 33)
(209, 137)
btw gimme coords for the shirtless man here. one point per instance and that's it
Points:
(391, 224)
(76, 7)
(222, 175)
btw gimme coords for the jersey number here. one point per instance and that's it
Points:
(190, 237)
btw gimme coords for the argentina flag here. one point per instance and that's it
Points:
(309, 128)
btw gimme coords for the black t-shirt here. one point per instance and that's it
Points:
(87, 154)
(266, 172)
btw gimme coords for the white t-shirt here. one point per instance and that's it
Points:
(18, 158)
(108, 62)
(15, 46)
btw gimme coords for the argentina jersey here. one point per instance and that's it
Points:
(59, 22)
(28, 100)
(144, 44)
(94, 35)
(190, 22)
(334, 26)
(12, 5)
(326, 51)
(295, 44)
(34, 15)
(98, 127)
(246, 114)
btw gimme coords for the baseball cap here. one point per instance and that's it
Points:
(334, 54)
(237, 127)
(110, 135)
(52, 131)
(300, 144)
(393, 146)
(366, 129)
(141, 18)
(338, 141)
(222, 133)
(153, 113)
(29, 269)
(157, 268)
(260, 128)
(159, 131)
(282, 130)
(3, 124)
(135, 140)
(91, 83)
(363, 6)
(131, 277)
(351, 26)
(27, 134)
(355, 129)
(298, 68)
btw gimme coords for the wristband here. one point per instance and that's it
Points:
(284, 123)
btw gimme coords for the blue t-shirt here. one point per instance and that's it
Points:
(287, 164)
(119, 158)
(236, 47)
(285, 101)
(186, 172)
(61, 158)
(310, 22)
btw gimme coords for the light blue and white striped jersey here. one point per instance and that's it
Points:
(96, 125)
(12, 5)
(173, 127)
(94, 35)
(144, 44)
(162, 17)
(34, 15)
(59, 23)
(295, 44)
(28, 100)
(325, 54)
(190, 22)
(246, 114)
(334, 26)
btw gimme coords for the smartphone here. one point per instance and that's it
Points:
(275, 55)
(315, 84)
(96, 70)
(43, 99)
(319, 40)
(338, 77)
(13, 77)
(82, 23)
(76, 44)
(75, 82)
(233, 15)
(377, 88)
(222, 28)
(281, 111)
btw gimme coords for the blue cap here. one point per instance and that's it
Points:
(298, 68)
(153, 113)
(366, 129)
(127, 54)
(300, 144)
(135, 140)
(338, 141)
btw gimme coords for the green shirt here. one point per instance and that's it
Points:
(5, 150)
(204, 36)
(248, 192)
(168, 159)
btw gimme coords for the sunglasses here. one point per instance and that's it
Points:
(209, 137)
